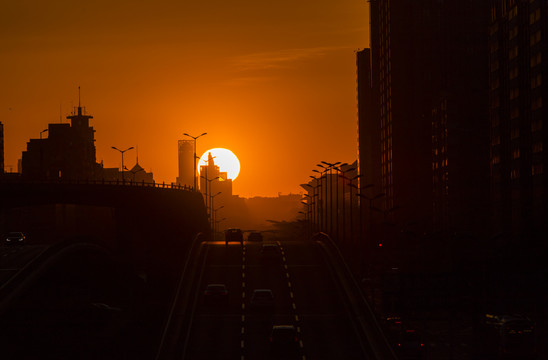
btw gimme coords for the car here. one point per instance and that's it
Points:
(232, 235)
(255, 236)
(216, 294)
(262, 299)
(270, 252)
(284, 339)
(15, 238)
(410, 345)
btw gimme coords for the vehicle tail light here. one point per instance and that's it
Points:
(399, 344)
(296, 339)
(271, 339)
(422, 344)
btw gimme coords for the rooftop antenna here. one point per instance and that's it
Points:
(78, 96)
(137, 151)
(60, 113)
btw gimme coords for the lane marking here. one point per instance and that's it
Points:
(242, 344)
(294, 306)
(291, 294)
(243, 294)
(296, 317)
(243, 330)
(285, 266)
(287, 275)
(299, 329)
(243, 275)
(243, 284)
(243, 267)
(301, 343)
(289, 283)
(243, 318)
(243, 306)
(283, 258)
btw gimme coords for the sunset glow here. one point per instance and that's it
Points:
(225, 159)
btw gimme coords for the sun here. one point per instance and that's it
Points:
(225, 159)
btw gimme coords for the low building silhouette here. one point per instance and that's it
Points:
(68, 153)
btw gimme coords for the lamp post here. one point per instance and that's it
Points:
(322, 199)
(329, 168)
(318, 184)
(352, 186)
(122, 152)
(215, 220)
(43, 131)
(208, 191)
(343, 172)
(212, 207)
(195, 138)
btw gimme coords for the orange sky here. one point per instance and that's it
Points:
(273, 81)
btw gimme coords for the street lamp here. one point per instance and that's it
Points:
(343, 172)
(329, 168)
(195, 138)
(122, 152)
(43, 131)
(212, 209)
(215, 220)
(208, 193)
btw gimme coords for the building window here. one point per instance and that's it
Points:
(536, 169)
(493, 28)
(496, 140)
(513, 73)
(514, 134)
(515, 154)
(534, 16)
(513, 53)
(536, 103)
(494, 65)
(514, 113)
(537, 147)
(536, 59)
(494, 83)
(536, 125)
(513, 13)
(514, 174)
(513, 33)
(535, 38)
(536, 81)
(514, 93)
(496, 159)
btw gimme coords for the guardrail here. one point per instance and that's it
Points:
(179, 319)
(117, 182)
(365, 323)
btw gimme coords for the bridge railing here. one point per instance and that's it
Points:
(117, 182)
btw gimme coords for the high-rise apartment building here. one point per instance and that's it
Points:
(518, 54)
(186, 163)
(428, 112)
